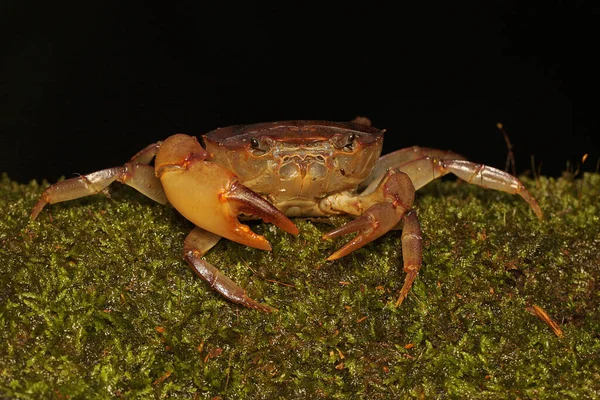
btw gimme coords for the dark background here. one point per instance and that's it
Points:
(84, 87)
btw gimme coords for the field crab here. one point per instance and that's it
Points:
(272, 171)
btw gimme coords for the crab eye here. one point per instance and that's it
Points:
(350, 139)
(349, 145)
(345, 142)
(259, 146)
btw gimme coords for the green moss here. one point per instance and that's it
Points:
(96, 302)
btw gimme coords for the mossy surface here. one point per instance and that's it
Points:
(96, 302)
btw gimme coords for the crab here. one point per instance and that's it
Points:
(272, 171)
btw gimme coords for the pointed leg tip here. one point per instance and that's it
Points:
(255, 305)
(268, 309)
(538, 212)
(541, 217)
(536, 208)
(39, 206)
(400, 300)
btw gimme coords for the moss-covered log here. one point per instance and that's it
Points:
(96, 302)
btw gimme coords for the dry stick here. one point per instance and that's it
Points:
(578, 167)
(585, 156)
(229, 369)
(535, 173)
(543, 315)
(510, 157)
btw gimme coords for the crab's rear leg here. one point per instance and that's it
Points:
(135, 173)
(425, 169)
(196, 244)
(402, 156)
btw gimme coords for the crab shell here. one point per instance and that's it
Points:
(297, 163)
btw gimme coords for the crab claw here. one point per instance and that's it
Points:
(211, 196)
(243, 200)
(376, 221)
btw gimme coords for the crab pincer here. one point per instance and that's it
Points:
(375, 222)
(211, 196)
(389, 204)
(384, 208)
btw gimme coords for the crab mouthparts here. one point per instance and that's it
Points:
(303, 165)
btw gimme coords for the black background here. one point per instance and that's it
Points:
(84, 87)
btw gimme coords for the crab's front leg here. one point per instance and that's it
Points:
(424, 165)
(379, 212)
(425, 169)
(212, 197)
(196, 244)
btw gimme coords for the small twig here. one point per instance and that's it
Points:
(228, 370)
(510, 157)
(269, 280)
(280, 283)
(161, 378)
(543, 315)
(536, 174)
(585, 156)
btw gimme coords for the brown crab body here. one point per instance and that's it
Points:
(295, 164)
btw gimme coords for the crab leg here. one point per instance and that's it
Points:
(196, 244)
(402, 156)
(135, 173)
(412, 252)
(425, 169)
(386, 206)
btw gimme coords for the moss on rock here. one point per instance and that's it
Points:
(96, 302)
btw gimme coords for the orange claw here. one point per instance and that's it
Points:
(211, 196)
